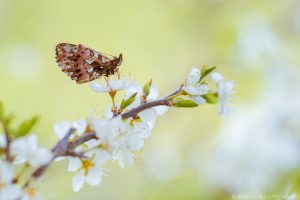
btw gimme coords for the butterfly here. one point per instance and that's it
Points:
(84, 64)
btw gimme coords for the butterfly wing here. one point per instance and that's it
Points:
(79, 62)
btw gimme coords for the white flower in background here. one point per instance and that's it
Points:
(25, 150)
(194, 88)
(225, 93)
(257, 44)
(8, 190)
(257, 146)
(291, 197)
(112, 85)
(88, 170)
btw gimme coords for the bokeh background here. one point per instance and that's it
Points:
(193, 153)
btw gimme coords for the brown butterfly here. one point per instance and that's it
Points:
(84, 64)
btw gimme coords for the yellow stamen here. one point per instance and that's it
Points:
(31, 191)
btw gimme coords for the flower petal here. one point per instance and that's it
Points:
(142, 129)
(160, 110)
(101, 157)
(78, 181)
(74, 164)
(6, 172)
(134, 142)
(10, 192)
(216, 77)
(39, 157)
(198, 99)
(153, 93)
(193, 77)
(94, 176)
(61, 128)
(80, 126)
(97, 87)
(2, 141)
(117, 84)
(191, 90)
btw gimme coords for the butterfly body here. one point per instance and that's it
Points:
(84, 64)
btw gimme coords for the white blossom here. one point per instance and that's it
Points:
(25, 150)
(8, 190)
(225, 93)
(110, 86)
(88, 170)
(121, 139)
(193, 88)
(62, 128)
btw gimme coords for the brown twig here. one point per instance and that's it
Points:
(9, 158)
(133, 112)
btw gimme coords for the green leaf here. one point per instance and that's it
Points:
(185, 103)
(205, 72)
(211, 98)
(128, 101)
(1, 111)
(26, 126)
(146, 88)
(8, 119)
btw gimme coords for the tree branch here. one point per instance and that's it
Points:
(65, 147)
(133, 112)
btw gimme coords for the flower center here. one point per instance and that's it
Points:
(87, 164)
(31, 191)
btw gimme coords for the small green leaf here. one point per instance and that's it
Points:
(146, 88)
(185, 103)
(8, 119)
(26, 126)
(205, 72)
(211, 98)
(128, 101)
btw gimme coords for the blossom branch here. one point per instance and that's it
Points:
(65, 147)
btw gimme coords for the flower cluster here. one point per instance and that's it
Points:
(89, 144)
(19, 152)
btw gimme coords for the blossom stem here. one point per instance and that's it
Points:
(9, 158)
(176, 93)
(17, 177)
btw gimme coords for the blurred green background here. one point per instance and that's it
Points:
(159, 39)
